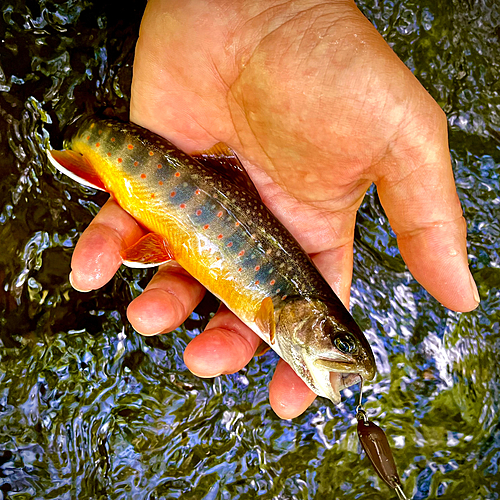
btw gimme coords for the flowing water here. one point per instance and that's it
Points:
(90, 409)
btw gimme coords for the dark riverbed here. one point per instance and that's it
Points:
(90, 409)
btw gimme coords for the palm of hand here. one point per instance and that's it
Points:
(318, 107)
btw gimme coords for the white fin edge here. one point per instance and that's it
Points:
(140, 265)
(70, 174)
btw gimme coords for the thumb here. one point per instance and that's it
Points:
(419, 196)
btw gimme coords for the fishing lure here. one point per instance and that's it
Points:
(377, 449)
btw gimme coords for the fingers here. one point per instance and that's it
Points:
(225, 346)
(97, 254)
(288, 394)
(166, 302)
(421, 202)
(437, 258)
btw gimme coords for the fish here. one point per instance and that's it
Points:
(203, 211)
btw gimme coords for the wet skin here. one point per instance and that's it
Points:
(318, 107)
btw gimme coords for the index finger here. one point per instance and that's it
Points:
(97, 254)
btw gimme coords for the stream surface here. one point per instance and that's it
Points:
(89, 409)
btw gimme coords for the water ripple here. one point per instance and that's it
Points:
(90, 409)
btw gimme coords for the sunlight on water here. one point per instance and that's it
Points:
(90, 409)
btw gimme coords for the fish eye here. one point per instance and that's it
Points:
(345, 343)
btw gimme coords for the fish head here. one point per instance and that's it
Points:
(324, 345)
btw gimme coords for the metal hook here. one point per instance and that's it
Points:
(400, 493)
(360, 411)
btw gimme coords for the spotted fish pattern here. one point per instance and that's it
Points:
(217, 230)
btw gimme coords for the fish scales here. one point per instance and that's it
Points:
(234, 226)
(225, 237)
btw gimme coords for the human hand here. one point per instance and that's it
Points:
(318, 107)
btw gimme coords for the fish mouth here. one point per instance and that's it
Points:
(344, 366)
(342, 374)
(334, 375)
(340, 381)
(334, 365)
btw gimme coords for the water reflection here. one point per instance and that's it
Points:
(89, 409)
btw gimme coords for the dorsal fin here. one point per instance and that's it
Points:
(224, 161)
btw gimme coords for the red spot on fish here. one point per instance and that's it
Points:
(219, 214)
(160, 183)
(88, 138)
(242, 253)
(198, 212)
(159, 165)
(119, 160)
(97, 144)
(278, 290)
(109, 154)
(230, 244)
(197, 191)
(237, 224)
(182, 205)
(217, 258)
(240, 269)
(151, 153)
(257, 282)
(143, 176)
(206, 226)
(272, 282)
(130, 146)
(153, 195)
(172, 194)
(284, 297)
(136, 163)
(177, 174)
(257, 268)
(112, 139)
(220, 236)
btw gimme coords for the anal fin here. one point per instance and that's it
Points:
(150, 251)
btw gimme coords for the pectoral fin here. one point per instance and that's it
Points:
(262, 349)
(265, 318)
(150, 251)
(76, 166)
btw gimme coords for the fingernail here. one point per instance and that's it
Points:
(475, 293)
(73, 285)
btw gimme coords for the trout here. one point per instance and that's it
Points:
(203, 211)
